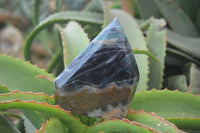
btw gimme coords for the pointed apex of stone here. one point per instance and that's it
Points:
(111, 30)
(115, 22)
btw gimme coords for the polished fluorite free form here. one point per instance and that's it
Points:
(102, 79)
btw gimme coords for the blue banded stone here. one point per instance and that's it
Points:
(102, 79)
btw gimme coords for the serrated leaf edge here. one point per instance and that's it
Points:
(154, 115)
(31, 93)
(26, 62)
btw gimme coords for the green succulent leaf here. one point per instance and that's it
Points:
(153, 121)
(25, 96)
(168, 104)
(186, 123)
(186, 71)
(164, 102)
(197, 22)
(54, 62)
(177, 82)
(10, 114)
(73, 124)
(179, 58)
(94, 6)
(36, 11)
(61, 17)
(156, 43)
(35, 118)
(194, 86)
(120, 126)
(177, 18)
(59, 5)
(188, 45)
(32, 119)
(148, 8)
(4, 89)
(53, 126)
(29, 127)
(136, 40)
(6, 126)
(74, 40)
(174, 60)
(189, 7)
(22, 76)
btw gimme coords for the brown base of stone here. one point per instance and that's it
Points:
(85, 101)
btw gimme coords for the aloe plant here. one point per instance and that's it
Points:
(29, 88)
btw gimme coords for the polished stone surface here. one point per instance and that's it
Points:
(101, 80)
